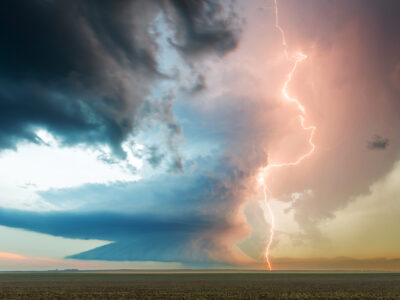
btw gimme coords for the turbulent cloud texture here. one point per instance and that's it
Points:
(89, 73)
(84, 70)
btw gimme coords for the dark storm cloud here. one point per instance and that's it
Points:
(379, 143)
(67, 66)
(203, 27)
(84, 69)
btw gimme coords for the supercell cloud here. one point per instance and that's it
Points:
(194, 88)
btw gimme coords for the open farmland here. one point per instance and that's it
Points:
(198, 285)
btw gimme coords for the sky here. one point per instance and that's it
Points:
(170, 134)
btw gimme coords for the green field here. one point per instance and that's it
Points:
(198, 285)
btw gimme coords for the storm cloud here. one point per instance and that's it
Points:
(87, 72)
(84, 70)
(142, 221)
(135, 237)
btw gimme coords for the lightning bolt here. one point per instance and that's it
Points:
(296, 59)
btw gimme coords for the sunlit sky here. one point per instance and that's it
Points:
(133, 135)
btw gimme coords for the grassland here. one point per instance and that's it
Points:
(128, 285)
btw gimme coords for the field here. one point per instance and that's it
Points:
(198, 285)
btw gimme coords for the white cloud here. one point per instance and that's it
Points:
(367, 227)
(34, 167)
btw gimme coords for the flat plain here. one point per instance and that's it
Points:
(198, 285)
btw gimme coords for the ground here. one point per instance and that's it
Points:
(198, 285)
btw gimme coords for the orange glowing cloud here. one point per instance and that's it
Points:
(11, 256)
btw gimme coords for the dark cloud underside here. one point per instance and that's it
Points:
(84, 69)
